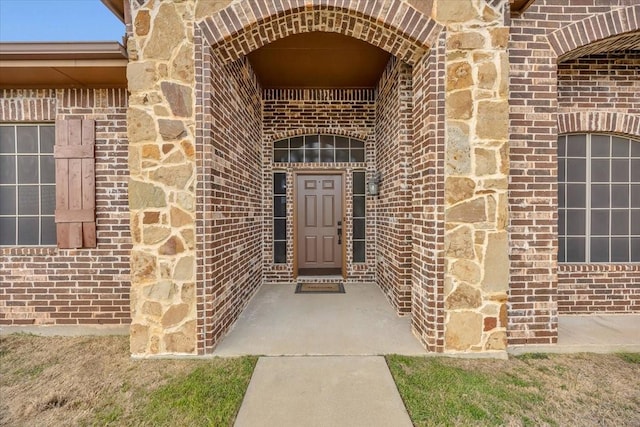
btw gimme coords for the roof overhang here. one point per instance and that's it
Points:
(62, 65)
(116, 7)
(517, 6)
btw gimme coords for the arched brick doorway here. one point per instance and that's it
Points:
(227, 89)
(198, 183)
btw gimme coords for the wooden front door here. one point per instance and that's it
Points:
(319, 224)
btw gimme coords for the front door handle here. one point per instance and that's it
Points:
(339, 232)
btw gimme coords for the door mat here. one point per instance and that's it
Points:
(319, 288)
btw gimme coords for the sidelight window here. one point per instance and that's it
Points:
(359, 220)
(280, 217)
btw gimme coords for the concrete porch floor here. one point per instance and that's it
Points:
(279, 322)
(361, 322)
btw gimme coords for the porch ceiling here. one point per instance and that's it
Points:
(318, 60)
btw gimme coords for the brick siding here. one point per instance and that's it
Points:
(598, 288)
(394, 134)
(289, 112)
(247, 25)
(229, 196)
(539, 88)
(392, 25)
(46, 285)
(428, 197)
(599, 93)
(559, 83)
(603, 83)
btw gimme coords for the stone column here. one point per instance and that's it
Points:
(476, 174)
(161, 129)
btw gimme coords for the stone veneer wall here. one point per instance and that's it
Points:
(289, 112)
(161, 129)
(607, 86)
(394, 137)
(533, 201)
(51, 286)
(476, 171)
(230, 192)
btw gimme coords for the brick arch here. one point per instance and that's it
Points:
(595, 121)
(572, 39)
(247, 25)
(361, 136)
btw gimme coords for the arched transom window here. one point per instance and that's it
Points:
(319, 149)
(598, 198)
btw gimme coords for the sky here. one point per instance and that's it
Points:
(58, 20)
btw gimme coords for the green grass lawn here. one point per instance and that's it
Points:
(533, 389)
(437, 393)
(92, 381)
(209, 395)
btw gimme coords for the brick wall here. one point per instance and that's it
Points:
(229, 205)
(598, 289)
(394, 108)
(46, 285)
(349, 112)
(603, 82)
(428, 198)
(597, 92)
(534, 104)
(392, 25)
(333, 110)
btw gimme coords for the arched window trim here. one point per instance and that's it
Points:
(597, 220)
(319, 148)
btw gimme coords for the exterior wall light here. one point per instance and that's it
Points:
(374, 184)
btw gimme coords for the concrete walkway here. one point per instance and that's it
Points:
(592, 331)
(591, 334)
(343, 380)
(359, 322)
(322, 391)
